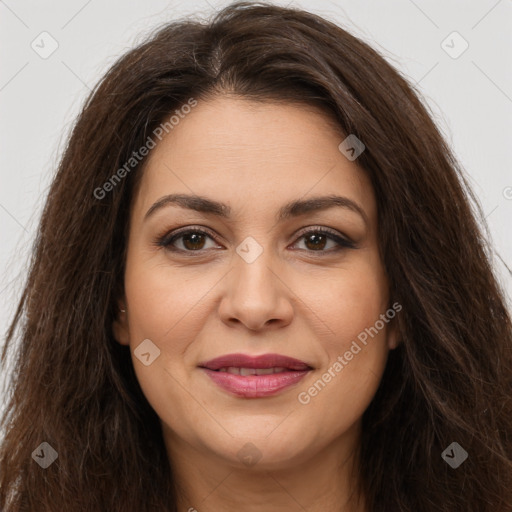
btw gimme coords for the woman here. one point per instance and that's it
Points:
(258, 284)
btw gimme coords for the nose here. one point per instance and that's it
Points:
(256, 295)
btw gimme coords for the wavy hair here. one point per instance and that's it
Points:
(73, 386)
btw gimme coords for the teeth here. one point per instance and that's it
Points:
(277, 369)
(247, 371)
(244, 372)
(265, 371)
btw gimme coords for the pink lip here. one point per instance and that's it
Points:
(263, 361)
(255, 386)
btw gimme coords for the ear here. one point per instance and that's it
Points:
(392, 336)
(120, 324)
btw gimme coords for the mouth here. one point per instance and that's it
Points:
(234, 370)
(255, 377)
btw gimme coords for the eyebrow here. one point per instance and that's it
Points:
(292, 209)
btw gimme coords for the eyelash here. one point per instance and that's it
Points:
(168, 239)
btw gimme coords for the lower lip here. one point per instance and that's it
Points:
(255, 386)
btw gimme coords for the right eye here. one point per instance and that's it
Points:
(191, 240)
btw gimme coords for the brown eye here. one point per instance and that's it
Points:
(195, 240)
(317, 240)
(191, 240)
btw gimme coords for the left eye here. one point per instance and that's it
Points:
(317, 240)
(193, 240)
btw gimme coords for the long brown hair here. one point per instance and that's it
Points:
(450, 379)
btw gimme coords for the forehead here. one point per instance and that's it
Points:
(236, 150)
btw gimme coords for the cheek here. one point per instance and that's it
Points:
(340, 397)
(165, 303)
(164, 307)
(354, 346)
(351, 301)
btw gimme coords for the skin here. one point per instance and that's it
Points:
(294, 299)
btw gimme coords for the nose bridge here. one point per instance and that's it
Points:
(253, 268)
(254, 293)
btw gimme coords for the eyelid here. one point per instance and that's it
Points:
(336, 235)
(170, 236)
(342, 240)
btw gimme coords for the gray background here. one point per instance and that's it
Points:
(470, 96)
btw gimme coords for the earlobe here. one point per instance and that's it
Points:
(120, 326)
(392, 336)
(392, 342)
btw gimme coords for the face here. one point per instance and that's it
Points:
(303, 286)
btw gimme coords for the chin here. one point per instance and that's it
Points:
(265, 450)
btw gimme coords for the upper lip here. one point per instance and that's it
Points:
(262, 361)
